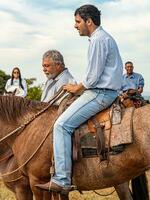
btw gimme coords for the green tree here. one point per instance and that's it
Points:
(34, 92)
(3, 79)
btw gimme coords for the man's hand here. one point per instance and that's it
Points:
(140, 90)
(74, 88)
(125, 95)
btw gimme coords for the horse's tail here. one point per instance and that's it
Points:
(140, 188)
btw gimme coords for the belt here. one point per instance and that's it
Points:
(104, 89)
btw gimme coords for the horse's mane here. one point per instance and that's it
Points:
(13, 107)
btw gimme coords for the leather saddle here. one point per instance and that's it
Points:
(132, 98)
(89, 138)
(108, 132)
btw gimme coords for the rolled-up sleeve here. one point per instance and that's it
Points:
(141, 81)
(97, 54)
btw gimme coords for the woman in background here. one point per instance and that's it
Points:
(16, 84)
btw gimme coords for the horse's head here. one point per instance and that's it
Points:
(10, 93)
(14, 90)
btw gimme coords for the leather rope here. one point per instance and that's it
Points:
(13, 180)
(6, 156)
(58, 95)
(104, 195)
(6, 174)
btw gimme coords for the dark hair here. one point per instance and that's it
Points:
(89, 11)
(129, 62)
(20, 79)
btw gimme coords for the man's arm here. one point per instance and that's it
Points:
(141, 84)
(74, 88)
(97, 54)
(140, 90)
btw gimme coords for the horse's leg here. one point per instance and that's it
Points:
(64, 197)
(123, 191)
(140, 188)
(57, 196)
(24, 193)
(21, 189)
(40, 194)
(47, 195)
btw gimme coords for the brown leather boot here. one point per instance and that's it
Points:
(51, 186)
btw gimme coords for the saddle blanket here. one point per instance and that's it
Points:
(121, 133)
(117, 134)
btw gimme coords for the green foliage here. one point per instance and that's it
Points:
(34, 92)
(3, 79)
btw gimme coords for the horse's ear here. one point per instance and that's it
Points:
(14, 92)
(5, 92)
(10, 93)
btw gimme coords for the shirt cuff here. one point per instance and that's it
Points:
(85, 84)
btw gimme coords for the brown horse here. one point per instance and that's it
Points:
(32, 147)
(15, 182)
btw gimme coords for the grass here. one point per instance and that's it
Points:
(5, 194)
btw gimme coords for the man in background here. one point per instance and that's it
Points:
(132, 80)
(132, 87)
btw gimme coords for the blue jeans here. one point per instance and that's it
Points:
(87, 105)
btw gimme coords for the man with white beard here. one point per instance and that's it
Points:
(57, 75)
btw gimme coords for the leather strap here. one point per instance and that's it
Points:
(76, 144)
(100, 138)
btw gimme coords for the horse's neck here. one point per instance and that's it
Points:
(11, 127)
(26, 118)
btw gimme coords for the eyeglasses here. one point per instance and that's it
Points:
(16, 72)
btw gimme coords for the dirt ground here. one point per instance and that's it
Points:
(5, 194)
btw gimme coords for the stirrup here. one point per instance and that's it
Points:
(66, 190)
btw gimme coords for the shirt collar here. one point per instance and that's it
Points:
(94, 32)
(59, 75)
(130, 76)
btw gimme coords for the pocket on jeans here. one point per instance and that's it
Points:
(89, 95)
(106, 99)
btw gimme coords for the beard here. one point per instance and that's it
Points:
(51, 76)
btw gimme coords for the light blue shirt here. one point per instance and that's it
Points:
(105, 66)
(23, 92)
(53, 85)
(133, 81)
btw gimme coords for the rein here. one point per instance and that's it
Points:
(58, 95)
(6, 156)
(103, 195)
(6, 174)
